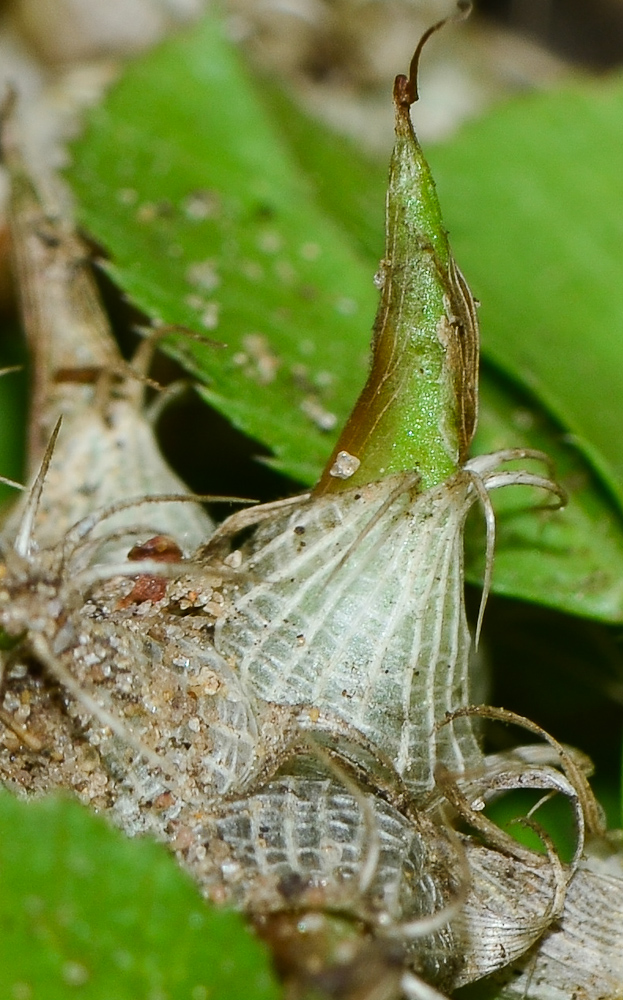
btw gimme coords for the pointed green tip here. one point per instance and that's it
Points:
(417, 410)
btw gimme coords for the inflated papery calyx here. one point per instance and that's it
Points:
(351, 600)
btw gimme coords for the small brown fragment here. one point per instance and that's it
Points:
(160, 548)
(164, 801)
(147, 588)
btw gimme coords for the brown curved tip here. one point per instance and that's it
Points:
(463, 10)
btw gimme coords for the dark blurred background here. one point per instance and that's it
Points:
(587, 32)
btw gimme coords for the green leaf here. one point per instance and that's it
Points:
(185, 178)
(532, 194)
(349, 186)
(89, 914)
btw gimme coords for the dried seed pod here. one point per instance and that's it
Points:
(106, 449)
(298, 850)
(582, 954)
(353, 599)
(507, 910)
(352, 608)
(574, 912)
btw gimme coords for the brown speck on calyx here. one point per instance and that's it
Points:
(163, 801)
(147, 588)
(150, 211)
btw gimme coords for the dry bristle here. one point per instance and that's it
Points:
(23, 540)
(486, 476)
(12, 483)
(587, 809)
(464, 9)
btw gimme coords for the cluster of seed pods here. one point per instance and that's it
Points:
(283, 700)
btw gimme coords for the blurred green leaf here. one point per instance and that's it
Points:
(89, 914)
(274, 187)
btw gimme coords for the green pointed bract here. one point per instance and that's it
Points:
(418, 408)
